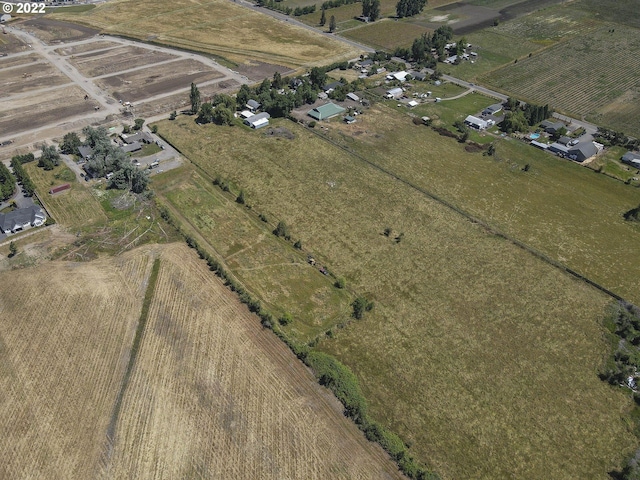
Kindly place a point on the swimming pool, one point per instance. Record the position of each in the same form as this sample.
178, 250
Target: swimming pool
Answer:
533, 136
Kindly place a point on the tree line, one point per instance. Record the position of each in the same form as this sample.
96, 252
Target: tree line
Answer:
7, 182
520, 117
21, 174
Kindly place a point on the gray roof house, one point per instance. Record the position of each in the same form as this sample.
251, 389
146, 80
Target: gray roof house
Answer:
85, 152
492, 109
131, 147
420, 76
632, 159
21, 218
143, 137
330, 87
583, 151
552, 127
564, 140
559, 148
258, 121
253, 105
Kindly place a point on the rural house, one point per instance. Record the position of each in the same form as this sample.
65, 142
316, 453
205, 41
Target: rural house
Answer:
330, 87
551, 127
475, 122
492, 109
21, 218
258, 121
325, 112
85, 152
632, 159
420, 76
142, 137
131, 147
583, 151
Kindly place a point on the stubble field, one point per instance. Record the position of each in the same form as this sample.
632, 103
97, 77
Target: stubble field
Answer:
473, 344
208, 385
217, 27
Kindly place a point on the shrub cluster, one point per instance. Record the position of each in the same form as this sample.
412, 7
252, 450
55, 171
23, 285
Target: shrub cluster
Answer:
624, 322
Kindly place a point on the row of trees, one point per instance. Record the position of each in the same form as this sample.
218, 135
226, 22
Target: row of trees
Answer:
7, 182
21, 174
371, 9
109, 158
522, 116
420, 51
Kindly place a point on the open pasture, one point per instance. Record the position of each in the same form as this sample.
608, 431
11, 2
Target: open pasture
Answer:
29, 77
473, 343
274, 272
386, 34
55, 105
147, 82
214, 395
561, 209
217, 27
581, 76
65, 335
116, 60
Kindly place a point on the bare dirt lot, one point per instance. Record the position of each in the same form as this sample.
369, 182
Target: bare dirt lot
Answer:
148, 82
179, 101
94, 64
85, 47
10, 44
47, 107
55, 31
8, 62
30, 77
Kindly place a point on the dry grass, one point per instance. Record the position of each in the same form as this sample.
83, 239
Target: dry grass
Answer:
74, 208
481, 355
386, 34
65, 331
218, 27
214, 395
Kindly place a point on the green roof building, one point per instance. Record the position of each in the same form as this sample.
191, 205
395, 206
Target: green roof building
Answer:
326, 111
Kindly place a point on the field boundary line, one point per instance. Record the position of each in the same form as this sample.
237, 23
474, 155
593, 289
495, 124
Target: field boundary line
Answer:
472, 219
135, 348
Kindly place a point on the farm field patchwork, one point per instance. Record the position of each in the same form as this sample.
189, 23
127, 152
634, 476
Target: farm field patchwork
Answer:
601, 63
215, 395
473, 343
217, 27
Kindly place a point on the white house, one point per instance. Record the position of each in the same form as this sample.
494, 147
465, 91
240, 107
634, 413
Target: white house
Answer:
258, 121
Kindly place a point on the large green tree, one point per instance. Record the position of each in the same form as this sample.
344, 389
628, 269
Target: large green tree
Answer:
409, 8
194, 97
70, 143
49, 158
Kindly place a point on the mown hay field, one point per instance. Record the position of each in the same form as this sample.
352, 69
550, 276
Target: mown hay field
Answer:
218, 27
558, 207
65, 334
209, 385
589, 75
386, 34
480, 355
271, 270
214, 395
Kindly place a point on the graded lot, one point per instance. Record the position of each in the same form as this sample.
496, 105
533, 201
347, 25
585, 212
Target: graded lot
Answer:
27, 78
94, 64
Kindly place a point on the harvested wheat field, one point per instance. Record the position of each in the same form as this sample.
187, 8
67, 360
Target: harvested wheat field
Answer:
210, 393
213, 395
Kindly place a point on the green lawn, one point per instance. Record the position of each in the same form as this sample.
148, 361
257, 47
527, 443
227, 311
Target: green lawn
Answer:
480, 355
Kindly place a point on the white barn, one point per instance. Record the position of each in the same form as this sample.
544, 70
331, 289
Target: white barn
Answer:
475, 122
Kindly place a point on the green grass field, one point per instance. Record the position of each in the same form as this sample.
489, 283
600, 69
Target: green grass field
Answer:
273, 271
480, 355
215, 26
601, 63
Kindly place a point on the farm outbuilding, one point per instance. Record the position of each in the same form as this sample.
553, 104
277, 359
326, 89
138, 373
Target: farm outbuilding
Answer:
258, 121
395, 93
632, 159
349, 119
353, 96
253, 105
583, 151
21, 218
475, 122
60, 188
492, 109
326, 111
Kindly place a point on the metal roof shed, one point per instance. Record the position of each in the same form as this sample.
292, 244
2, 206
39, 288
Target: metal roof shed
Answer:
325, 111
